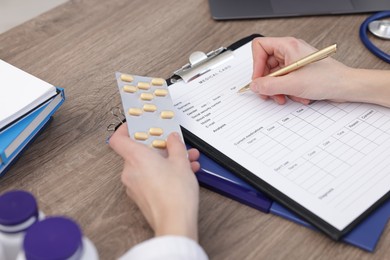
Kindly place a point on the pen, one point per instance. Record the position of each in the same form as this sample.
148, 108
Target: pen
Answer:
316, 56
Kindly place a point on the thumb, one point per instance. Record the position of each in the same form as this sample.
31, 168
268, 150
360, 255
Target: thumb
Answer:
273, 86
175, 146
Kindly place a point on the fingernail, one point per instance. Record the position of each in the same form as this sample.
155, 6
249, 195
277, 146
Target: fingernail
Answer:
177, 136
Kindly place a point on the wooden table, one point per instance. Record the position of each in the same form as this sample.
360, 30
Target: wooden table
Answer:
71, 170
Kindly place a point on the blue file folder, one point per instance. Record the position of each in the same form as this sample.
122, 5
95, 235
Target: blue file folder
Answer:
15, 158
17, 136
215, 177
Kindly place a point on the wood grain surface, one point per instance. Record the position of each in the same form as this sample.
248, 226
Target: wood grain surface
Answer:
70, 169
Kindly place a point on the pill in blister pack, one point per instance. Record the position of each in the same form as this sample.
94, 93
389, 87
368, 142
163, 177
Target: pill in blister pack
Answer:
148, 109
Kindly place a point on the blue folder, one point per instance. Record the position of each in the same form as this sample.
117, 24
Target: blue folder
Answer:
15, 158
215, 177
26, 129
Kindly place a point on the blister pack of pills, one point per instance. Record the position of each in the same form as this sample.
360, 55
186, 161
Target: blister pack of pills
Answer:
148, 109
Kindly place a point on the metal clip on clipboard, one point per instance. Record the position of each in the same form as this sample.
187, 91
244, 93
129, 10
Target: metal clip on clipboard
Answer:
201, 63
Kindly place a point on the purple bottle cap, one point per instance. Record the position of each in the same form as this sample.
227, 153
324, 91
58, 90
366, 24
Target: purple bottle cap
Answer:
53, 238
17, 207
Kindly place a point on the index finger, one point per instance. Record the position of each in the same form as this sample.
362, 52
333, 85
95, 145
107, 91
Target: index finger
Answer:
260, 57
176, 148
273, 51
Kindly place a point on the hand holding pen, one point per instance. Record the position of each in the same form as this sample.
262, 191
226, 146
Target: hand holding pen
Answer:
310, 80
316, 56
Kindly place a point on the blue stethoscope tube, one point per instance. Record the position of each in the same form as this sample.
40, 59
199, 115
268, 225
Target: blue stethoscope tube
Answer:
364, 38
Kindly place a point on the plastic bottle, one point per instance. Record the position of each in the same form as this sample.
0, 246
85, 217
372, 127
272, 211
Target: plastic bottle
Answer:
57, 238
18, 211
2, 255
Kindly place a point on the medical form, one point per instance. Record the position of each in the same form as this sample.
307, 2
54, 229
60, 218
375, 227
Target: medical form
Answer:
330, 158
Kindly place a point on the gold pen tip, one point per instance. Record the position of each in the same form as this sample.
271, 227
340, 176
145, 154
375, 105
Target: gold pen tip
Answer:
243, 89
333, 47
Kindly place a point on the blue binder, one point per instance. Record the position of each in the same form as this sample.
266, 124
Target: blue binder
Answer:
15, 158
215, 177
17, 136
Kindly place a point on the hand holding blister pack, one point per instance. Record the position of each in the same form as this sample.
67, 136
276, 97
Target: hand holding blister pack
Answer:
148, 109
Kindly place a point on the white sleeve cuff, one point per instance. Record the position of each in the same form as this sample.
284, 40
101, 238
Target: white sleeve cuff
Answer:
166, 247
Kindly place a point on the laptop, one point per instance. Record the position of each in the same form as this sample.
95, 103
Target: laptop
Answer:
248, 9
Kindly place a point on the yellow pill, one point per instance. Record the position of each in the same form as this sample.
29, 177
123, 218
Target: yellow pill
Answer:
167, 114
161, 92
159, 144
158, 82
127, 78
135, 111
149, 108
141, 136
146, 96
143, 85
156, 131
129, 89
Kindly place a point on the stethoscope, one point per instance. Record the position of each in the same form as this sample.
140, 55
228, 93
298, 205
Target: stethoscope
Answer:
380, 28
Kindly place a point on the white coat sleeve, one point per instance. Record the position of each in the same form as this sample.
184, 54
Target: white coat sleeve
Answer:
166, 247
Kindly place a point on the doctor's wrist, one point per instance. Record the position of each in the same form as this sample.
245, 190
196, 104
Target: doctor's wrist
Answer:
368, 86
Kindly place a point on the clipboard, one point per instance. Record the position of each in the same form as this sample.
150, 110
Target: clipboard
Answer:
201, 63
218, 179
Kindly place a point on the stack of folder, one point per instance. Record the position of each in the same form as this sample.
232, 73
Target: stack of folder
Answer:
26, 108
